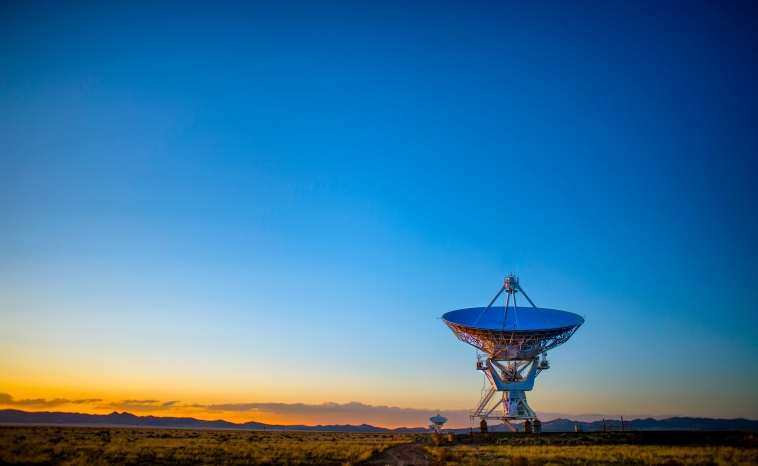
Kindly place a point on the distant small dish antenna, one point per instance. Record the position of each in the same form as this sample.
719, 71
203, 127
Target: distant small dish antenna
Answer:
437, 422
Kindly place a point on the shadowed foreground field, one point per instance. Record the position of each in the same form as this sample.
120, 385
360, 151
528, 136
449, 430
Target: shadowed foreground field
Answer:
649, 448
153, 446
145, 446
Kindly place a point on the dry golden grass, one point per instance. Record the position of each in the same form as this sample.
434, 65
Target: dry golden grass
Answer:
589, 455
72, 446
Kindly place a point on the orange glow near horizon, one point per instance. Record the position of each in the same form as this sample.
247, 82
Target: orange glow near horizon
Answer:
310, 414
229, 416
201, 414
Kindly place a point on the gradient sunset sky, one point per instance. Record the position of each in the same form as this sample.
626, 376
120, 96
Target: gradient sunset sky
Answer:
259, 210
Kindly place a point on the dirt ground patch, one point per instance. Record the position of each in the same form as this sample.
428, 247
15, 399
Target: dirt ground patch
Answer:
404, 455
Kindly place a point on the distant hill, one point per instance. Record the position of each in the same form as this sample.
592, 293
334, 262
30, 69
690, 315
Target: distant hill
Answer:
674, 423
14, 416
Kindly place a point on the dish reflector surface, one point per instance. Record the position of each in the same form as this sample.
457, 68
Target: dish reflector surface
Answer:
518, 318
520, 333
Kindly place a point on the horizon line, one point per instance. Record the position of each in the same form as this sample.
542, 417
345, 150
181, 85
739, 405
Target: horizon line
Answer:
283, 426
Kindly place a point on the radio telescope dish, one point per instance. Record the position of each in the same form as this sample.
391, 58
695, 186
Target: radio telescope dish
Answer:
437, 422
512, 338
513, 332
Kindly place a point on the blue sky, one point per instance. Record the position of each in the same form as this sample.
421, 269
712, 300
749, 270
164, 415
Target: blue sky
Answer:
272, 202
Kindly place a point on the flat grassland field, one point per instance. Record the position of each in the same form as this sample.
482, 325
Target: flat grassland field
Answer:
638, 448
145, 446
38, 445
